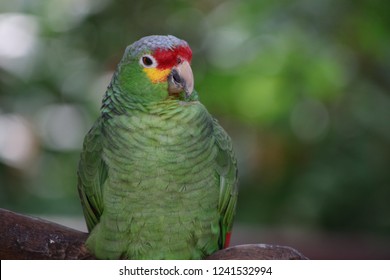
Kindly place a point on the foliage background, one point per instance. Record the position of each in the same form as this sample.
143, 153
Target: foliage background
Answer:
301, 86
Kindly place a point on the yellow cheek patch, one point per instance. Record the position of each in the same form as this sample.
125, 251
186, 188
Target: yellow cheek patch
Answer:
157, 75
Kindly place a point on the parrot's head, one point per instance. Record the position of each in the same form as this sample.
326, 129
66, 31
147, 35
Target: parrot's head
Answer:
156, 68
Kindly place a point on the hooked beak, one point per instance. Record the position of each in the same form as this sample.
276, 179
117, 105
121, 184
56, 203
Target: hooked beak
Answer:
181, 79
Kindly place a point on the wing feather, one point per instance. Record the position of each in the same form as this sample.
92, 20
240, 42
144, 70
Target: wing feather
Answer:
226, 167
92, 173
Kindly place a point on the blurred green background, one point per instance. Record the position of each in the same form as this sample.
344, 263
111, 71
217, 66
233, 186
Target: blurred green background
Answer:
302, 87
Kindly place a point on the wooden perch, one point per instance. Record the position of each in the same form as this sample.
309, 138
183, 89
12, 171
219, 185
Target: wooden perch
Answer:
23, 237
257, 252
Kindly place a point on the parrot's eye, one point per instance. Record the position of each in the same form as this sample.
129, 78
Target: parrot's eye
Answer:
148, 61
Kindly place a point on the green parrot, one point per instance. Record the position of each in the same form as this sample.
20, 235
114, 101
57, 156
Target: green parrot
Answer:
157, 177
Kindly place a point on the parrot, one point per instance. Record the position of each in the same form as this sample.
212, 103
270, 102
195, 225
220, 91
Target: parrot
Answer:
157, 175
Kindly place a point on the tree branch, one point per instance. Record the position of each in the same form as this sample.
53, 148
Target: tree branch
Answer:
24, 237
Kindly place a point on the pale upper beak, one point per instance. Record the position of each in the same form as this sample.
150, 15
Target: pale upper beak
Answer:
181, 79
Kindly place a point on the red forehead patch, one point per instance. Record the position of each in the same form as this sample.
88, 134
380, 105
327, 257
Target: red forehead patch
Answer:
169, 58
